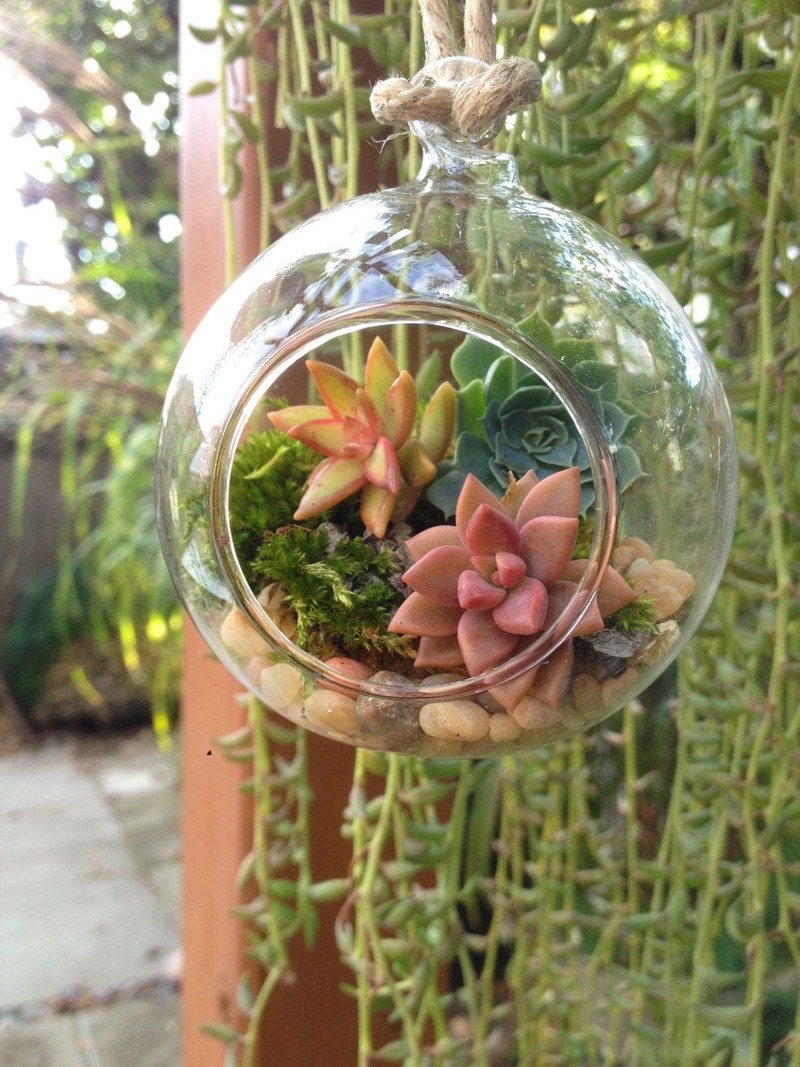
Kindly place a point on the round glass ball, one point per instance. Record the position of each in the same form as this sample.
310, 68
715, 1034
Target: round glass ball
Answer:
538, 347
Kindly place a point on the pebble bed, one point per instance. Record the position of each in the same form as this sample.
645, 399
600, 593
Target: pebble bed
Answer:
472, 727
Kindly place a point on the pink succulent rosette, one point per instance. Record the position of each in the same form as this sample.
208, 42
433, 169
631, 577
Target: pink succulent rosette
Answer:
487, 587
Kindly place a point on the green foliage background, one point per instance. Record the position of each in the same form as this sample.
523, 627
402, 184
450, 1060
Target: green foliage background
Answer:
633, 895
89, 377
629, 896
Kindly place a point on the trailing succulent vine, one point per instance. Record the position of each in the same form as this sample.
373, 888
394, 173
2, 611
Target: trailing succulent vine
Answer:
632, 893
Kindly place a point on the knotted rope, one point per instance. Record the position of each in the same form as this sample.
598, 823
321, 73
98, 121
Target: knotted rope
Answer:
473, 106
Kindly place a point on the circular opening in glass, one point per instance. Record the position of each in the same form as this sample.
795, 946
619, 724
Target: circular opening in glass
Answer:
430, 344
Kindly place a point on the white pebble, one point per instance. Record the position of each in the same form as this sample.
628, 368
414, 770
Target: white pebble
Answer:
294, 711
503, 727
533, 714
335, 711
618, 690
445, 678
280, 684
241, 637
459, 719
254, 669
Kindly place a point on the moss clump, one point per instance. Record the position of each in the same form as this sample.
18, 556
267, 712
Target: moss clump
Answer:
267, 479
338, 588
638, 617
583, 544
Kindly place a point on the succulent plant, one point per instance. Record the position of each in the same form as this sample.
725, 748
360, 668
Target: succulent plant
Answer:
509, 421
486, 587
366, 433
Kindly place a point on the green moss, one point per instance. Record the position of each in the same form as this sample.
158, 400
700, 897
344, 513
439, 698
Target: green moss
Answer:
637, 617
583, 544
338, 588
267, 480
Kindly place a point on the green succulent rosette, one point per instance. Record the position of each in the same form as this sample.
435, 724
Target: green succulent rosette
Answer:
509, 421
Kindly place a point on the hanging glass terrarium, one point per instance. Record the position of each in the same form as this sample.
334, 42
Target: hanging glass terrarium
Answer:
446, 471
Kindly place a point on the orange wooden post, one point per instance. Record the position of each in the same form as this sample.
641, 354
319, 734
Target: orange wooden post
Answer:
311, 1019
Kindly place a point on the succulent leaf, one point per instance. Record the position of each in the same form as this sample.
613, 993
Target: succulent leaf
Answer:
470, 408
509, 694
330, 482
380, 371
399, 410
548, 542
490, 530
416, 466
559, 494
428, 376
443, 493
511, 569
539, 330
473, 454
554, 675
614, 592
483, 644
438, 422
436, 575
564, 595
332, 437
376, 508
475, 593
627, 467
597, 377
287, 418
517, 491
472, 359
426, 540
381, 467
501, 379
523, 609
337, 389
422, 617
473, 494
367, 415
439, 653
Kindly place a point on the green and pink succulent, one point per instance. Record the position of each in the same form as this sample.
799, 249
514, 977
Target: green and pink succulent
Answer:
367, 434
486, 588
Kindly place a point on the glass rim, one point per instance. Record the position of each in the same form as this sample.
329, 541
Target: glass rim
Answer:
459, 318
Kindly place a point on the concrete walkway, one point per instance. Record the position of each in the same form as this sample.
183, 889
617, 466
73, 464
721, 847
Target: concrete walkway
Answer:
89, 905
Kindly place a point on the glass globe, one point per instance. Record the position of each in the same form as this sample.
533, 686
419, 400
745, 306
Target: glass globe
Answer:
557, 484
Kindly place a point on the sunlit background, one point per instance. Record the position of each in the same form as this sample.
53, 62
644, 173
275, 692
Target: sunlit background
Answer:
89, 335
33, 261
49, 147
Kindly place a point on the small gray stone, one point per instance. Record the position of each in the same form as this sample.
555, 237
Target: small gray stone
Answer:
393, 719
616, 643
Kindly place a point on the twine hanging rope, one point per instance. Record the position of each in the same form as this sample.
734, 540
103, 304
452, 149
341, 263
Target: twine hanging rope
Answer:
473, 106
